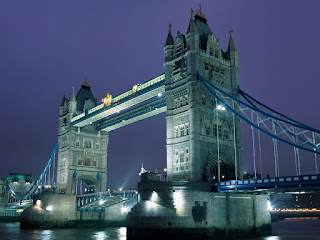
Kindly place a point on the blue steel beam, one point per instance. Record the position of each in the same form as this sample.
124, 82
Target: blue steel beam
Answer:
144, 92
277, 184
137, 114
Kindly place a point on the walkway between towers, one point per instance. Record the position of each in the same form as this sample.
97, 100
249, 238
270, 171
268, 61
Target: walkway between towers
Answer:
148, 99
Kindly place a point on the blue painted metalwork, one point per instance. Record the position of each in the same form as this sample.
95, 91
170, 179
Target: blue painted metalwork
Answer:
137, 112
206, 84
292, 182
90, 202
138, 93
35, 186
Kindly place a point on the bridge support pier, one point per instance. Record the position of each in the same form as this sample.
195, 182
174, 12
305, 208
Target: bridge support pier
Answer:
60, 211
191, 209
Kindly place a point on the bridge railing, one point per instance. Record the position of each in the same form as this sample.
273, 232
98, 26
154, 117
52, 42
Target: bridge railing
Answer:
295, 182
115, 196
37, 184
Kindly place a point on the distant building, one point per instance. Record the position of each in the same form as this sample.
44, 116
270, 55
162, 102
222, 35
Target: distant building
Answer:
3, 193
296, 201
20, 183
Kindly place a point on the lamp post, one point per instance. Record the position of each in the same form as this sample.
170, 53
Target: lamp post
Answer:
165, 174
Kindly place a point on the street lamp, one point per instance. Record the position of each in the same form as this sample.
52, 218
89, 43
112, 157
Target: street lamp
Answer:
165, 174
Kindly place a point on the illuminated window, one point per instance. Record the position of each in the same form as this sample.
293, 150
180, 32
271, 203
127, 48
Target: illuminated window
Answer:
182, 157
203, 100
226, 134
87, 144
211, 51
215, 130
187, 129
175, 103
216, 54
208, 130
181, 131
176, 129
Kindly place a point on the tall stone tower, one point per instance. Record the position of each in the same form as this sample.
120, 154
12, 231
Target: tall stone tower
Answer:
82, 153
196, 122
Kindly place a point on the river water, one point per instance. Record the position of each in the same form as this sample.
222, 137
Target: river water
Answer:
292, 229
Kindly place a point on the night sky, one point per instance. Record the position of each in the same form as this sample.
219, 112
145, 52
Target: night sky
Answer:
48, 46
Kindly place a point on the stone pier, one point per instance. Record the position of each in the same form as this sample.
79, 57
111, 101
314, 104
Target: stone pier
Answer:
60, 211
174, 208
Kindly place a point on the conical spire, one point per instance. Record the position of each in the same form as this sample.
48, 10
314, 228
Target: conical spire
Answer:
63, 99
231, 46
192, 26
72, 97
169, 37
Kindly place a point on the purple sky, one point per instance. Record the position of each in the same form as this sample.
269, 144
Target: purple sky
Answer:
48, 46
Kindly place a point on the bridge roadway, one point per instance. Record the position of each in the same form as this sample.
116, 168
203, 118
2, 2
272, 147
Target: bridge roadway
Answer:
100, 201
276, 184
141, 102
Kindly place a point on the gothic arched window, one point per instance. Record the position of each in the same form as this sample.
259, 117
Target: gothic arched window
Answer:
87, 143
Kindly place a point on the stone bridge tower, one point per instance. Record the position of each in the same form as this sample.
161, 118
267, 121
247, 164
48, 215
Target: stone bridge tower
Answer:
193, 130
82, 154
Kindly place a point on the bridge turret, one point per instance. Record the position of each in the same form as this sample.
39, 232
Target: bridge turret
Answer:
82, 153
232, 54
191, 37
196, 126
72, 104
168, 47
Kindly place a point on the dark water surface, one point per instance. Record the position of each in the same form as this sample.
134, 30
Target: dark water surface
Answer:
306, 229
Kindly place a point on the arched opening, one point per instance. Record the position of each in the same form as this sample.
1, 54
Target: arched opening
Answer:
211, 170
84, 186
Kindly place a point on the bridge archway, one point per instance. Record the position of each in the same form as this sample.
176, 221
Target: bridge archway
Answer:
85, 184
210, 170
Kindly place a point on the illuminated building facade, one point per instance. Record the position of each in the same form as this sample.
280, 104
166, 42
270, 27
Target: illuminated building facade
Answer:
82, 155
196, 122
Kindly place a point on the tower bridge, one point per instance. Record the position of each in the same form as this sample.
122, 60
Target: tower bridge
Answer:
201, 96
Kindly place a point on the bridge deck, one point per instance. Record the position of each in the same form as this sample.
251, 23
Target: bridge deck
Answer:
276, 184
144, 92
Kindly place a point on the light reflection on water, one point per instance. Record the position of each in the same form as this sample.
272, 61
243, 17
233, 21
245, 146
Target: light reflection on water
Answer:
284, 230
47, 235
101, 235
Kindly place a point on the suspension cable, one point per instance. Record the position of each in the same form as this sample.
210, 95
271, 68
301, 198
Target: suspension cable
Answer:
207, 84
298, 153
53, 169
274, 150
253, 149
315, 155
295, 159
259, 142
217, 121
235, 144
